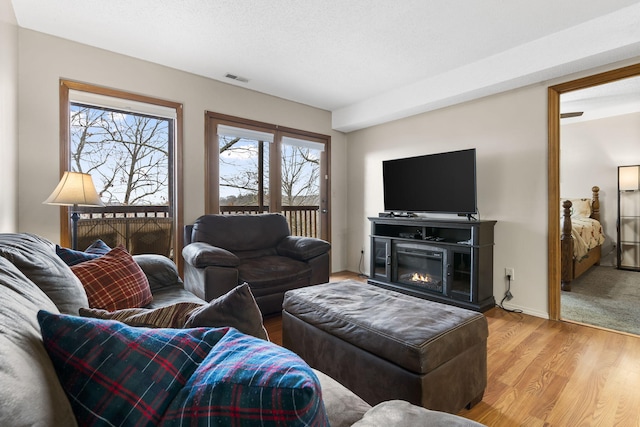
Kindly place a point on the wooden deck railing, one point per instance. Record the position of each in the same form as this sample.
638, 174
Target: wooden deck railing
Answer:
150, 211
149, 229
140, 229
303, 220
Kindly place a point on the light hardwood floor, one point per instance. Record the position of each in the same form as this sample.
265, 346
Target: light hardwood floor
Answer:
548, 373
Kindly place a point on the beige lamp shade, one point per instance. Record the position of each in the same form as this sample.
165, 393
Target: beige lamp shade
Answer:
75, 188
628, 178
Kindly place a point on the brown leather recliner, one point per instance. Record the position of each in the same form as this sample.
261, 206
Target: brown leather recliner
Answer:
222, 251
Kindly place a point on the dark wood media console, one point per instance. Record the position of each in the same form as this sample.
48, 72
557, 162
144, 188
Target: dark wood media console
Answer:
446, 261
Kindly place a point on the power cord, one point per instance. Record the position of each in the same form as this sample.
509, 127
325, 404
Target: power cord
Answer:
508, 296
361, 275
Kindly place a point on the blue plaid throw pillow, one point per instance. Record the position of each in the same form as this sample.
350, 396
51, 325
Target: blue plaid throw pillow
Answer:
116, 374
73, 257
246, 381
105, 366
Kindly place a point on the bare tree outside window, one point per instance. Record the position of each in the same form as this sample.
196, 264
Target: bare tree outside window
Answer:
257, 167
244, 181
244, 172
127, 154
300, 176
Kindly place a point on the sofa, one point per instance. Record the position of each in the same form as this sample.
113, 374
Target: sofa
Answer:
222, 251
41, 298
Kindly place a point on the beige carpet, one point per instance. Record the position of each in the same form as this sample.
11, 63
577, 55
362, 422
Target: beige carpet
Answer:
605, 297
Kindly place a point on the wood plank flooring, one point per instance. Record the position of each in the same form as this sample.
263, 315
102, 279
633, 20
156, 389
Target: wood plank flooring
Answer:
547, 373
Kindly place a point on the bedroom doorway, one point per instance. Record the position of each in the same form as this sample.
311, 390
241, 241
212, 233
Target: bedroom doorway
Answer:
554, 94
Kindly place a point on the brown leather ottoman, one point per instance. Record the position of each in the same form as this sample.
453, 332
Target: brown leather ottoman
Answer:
385, 345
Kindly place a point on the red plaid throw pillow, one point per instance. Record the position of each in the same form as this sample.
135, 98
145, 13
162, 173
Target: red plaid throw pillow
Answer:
114, 281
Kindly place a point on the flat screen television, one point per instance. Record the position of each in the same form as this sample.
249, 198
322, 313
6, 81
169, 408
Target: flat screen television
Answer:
435, 183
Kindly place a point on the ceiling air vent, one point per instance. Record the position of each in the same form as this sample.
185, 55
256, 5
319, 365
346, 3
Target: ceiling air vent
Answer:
237, 78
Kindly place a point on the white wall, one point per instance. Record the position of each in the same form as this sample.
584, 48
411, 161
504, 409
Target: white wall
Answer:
8, 118
591, 153
43, 60
509, 132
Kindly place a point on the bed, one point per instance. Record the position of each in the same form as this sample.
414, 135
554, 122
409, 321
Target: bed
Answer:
581, 236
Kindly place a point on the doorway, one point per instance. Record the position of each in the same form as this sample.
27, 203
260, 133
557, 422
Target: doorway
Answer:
554, 93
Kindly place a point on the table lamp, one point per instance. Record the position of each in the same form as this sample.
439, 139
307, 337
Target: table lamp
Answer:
75, 189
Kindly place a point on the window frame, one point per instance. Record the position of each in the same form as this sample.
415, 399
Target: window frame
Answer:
65, 154
212, 170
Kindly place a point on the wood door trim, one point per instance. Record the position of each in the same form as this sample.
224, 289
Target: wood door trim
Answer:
553, 203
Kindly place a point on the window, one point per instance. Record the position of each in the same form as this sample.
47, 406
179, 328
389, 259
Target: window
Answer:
301, 183
130, 146
257, 167
243, 169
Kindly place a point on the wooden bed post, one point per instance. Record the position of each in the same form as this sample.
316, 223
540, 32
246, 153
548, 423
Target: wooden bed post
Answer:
595, 203
566, 247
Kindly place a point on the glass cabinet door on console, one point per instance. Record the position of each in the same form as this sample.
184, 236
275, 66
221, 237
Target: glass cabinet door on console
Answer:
381, 258
460, 273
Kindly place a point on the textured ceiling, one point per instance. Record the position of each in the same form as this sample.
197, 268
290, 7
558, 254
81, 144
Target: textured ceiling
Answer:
367, 61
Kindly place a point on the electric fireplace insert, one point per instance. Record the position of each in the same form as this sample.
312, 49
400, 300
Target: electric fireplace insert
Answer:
420, 266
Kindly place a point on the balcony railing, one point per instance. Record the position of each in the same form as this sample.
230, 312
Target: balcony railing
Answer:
140, 229
150, 211
303, 220
149, 229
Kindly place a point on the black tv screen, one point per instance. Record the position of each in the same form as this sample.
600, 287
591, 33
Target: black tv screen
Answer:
442, 183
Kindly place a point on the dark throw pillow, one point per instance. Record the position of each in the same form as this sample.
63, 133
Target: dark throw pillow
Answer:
73, 257
114, 281
171, 316
237, 308
117, 374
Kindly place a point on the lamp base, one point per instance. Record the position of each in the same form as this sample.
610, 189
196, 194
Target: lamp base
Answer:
74, 229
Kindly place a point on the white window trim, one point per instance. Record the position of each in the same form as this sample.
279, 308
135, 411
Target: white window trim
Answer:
235, 132
296, 142
104, 101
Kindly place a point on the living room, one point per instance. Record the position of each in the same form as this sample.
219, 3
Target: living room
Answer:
509, 129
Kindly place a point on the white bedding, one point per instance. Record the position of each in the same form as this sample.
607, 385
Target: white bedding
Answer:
587, 234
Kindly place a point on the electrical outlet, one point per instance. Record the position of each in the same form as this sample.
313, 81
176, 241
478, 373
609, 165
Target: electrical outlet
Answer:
509, 272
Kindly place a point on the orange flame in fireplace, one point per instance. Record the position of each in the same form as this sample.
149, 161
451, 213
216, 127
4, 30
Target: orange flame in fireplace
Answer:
424, 278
